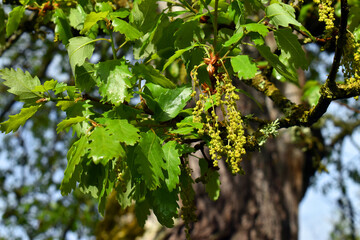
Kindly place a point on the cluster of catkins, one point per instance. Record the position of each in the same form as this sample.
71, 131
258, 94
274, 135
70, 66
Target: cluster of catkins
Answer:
351, 60
227, 138
326, 13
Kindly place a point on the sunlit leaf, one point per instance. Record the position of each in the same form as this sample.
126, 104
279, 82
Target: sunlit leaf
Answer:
79, 49
20, 83
243, 66
15, 121
15, 17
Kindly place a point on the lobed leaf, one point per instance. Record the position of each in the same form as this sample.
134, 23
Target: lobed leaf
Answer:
276, 63
15, 121
243, 66
165, 206
68, 123
114, 81
131, 33
21, 84
79, 48
289, 43
74, 156
91, 19
172, 162
149, 160
104, 145
62, 26
281, 14
152, 75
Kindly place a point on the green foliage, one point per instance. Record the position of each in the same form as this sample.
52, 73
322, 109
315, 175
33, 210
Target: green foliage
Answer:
134, 122
14, 20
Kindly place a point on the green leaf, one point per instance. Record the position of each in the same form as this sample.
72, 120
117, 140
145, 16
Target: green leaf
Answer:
257, 27
172, 102
77, 17
68, 123
311, 92
152, 75
120, 13
47, 86
177, 54
130, 32
80, 48
142, 211
104, 145
74, 156
149, 159
281, 14
289, 43
124, 131
15, 121
62, 26
85, 77
91, 19
276, 63
234, 38
172, 160
144, 14
243, 66
14, 20
115, 81
211, 180
21, 84
165, 206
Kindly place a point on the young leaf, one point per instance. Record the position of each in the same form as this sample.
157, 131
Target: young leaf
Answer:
289, 43
143, 14
79, 48
14, 20
276, 63
91, 19
149, 159
125, 132
257, 27
130, 32
62, 28
172, 102
47, 86
243, 66
152, 75
104, 145
21, 84
177, 54
234, 38
172, 160
115, 81
75, 153
68, 123
165, 206
15, 121
281, 14
77, 17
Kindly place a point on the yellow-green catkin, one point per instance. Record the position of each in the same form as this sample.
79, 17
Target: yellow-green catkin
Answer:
226, 136
326, 13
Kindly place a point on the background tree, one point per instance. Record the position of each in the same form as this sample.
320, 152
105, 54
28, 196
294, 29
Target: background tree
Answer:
214, 81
